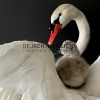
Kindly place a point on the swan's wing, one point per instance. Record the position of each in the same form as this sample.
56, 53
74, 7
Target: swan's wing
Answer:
97, 62
9, 95
30, 75
93, 82
11, 58
19, 66
29, 72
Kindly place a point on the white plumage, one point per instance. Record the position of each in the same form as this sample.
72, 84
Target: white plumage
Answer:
27, 74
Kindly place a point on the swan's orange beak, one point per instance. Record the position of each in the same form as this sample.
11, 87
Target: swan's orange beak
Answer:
54, 33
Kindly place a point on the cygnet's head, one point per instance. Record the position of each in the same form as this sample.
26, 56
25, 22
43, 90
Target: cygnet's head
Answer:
69, 48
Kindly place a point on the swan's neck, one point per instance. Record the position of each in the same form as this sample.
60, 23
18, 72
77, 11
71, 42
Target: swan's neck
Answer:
84, 32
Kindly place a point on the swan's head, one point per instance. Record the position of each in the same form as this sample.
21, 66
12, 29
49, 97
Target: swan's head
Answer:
59, 19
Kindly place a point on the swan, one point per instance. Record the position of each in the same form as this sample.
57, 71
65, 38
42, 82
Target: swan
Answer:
61, 16
28, 72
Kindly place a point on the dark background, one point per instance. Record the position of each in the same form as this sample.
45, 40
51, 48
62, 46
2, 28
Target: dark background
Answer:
30, 19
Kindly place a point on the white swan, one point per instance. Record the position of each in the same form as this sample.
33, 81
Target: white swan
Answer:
61, 16
27, 72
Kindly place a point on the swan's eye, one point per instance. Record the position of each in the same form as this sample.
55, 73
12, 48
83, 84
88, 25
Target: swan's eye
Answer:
51, 27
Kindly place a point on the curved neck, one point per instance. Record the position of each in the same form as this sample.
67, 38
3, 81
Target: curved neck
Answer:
84, 32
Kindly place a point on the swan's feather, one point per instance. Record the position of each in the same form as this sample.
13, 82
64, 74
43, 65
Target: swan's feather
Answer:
9, 95
31, 74
93, 81
21, 68
26, 75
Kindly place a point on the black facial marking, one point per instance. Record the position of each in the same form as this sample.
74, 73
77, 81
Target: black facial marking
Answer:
57, 20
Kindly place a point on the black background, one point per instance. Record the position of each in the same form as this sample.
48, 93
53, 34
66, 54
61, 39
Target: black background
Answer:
30, 19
